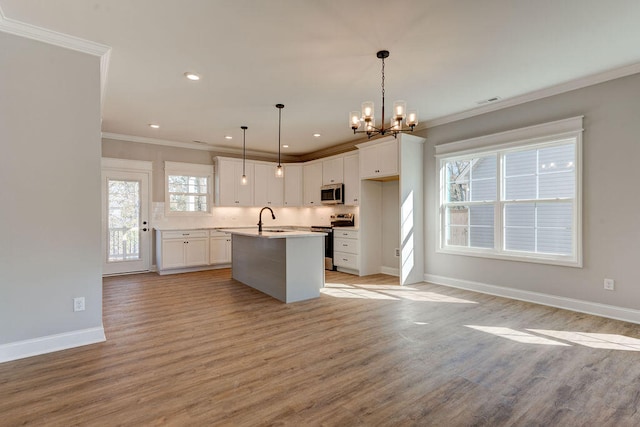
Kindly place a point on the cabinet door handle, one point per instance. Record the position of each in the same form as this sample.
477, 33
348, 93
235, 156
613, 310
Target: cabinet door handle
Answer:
144, 229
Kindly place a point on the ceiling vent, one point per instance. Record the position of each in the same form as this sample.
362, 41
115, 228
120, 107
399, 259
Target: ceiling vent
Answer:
489, 101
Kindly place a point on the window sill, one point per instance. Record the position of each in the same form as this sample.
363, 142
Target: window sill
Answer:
514, 256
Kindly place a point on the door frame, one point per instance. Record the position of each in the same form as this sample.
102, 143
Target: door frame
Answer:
127, 166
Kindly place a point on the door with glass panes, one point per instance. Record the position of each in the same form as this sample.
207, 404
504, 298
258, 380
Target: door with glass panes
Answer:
125, 222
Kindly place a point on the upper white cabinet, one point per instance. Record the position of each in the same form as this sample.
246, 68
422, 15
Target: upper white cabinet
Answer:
268, 190
351, 180
312, 178
378, 159
332, 171
229, 190
292, 185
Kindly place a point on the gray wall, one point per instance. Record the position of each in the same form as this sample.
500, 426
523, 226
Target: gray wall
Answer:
157, 154
611, 206
49, 189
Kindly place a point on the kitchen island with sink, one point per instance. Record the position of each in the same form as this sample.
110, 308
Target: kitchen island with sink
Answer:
285, 264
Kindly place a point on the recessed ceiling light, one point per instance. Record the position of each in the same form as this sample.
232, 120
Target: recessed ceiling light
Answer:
192, 76
154, 126
317, 135
228, 137
285, 146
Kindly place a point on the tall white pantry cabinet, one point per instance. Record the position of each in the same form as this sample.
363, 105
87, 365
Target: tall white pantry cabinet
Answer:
381, 161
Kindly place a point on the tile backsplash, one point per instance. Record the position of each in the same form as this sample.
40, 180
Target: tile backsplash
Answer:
248, 217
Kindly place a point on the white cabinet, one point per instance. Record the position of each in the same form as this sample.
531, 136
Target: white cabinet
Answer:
229, 190
346, 250
312, 177
332, 171
351, 180
379, 160
268, 190
292, 185
219, 247
179, 249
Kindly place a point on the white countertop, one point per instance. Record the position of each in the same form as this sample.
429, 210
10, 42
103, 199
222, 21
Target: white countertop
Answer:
270, 234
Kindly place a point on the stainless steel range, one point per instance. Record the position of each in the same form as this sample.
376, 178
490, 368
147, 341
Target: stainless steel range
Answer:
337, 220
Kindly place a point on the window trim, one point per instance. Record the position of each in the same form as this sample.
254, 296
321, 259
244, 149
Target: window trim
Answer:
536, 136
190, 169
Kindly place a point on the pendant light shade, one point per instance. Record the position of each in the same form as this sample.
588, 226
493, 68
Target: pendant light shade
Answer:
279, 170
243, 180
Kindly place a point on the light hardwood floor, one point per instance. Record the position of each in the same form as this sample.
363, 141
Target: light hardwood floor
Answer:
201, 349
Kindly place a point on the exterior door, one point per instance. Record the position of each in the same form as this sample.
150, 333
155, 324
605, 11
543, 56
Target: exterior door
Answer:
125, 222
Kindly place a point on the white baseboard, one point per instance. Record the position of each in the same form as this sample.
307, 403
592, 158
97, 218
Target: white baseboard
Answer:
603, 310
33, 347
193, 269
390, 271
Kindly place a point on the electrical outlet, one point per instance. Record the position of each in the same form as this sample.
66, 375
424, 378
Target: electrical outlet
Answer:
78, 304
609, 284
397, 252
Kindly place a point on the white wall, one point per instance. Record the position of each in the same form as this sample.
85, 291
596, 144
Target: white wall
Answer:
611, 204
49, 192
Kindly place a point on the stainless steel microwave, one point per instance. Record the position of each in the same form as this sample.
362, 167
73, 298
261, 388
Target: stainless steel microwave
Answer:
332, 194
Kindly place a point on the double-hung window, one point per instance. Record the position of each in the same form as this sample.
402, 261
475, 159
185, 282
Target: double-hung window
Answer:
188, 188
514, 195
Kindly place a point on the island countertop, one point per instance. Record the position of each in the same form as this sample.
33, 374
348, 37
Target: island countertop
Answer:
271, 234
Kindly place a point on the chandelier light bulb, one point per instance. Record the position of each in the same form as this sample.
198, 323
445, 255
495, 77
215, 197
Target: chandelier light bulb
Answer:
354, 120
412, 118
279, 172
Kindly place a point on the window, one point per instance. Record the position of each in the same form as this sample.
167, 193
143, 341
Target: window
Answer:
188, 188
518, 199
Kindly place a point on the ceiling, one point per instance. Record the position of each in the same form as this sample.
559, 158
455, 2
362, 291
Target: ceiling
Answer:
318, 58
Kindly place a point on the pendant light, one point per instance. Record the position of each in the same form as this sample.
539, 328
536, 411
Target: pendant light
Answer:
399, 114
243, 180
279, 171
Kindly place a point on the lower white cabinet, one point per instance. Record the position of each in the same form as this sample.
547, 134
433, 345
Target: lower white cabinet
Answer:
180, 249
346, 249
219, 247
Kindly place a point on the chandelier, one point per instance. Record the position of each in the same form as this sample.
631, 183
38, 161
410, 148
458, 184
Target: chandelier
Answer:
400, 113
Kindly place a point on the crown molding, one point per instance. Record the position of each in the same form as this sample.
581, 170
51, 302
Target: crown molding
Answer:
198, 146
539, 94
22, 29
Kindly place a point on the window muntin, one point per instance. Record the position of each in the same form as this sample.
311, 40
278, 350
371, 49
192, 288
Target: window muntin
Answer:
533, 214
188, 193
188, 188
471, 187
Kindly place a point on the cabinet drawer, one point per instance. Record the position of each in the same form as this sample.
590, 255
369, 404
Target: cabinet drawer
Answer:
182, 234
345, 245
343, 259
345, 234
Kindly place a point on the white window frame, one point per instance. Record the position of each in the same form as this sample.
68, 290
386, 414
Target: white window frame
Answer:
538, 136
189, 169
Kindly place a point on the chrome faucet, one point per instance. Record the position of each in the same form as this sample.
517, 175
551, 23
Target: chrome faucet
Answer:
260, 218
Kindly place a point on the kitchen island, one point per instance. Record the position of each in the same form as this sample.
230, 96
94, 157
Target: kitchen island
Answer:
287, 265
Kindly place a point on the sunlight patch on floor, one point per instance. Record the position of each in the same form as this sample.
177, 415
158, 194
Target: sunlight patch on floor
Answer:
518, 336
388, 292
341, 292
594, 340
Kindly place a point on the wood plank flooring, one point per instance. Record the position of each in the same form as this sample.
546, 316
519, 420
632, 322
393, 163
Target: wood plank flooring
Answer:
202, 349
